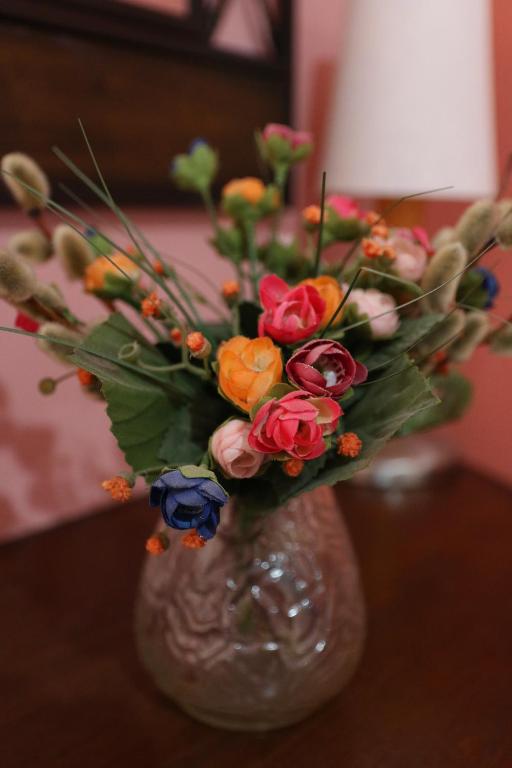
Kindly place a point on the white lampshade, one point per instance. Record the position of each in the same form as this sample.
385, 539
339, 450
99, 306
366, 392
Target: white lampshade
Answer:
413, 107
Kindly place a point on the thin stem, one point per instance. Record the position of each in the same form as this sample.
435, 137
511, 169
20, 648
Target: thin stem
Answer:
253, 263
320, 228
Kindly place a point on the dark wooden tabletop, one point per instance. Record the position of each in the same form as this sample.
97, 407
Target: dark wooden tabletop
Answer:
434, 688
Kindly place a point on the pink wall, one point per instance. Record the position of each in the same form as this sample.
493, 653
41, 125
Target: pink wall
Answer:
55, 451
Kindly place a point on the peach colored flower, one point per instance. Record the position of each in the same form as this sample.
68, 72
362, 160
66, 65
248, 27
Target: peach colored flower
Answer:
232, 452
410, 258
249, 188
375, 303
248, 369
330, 291
96, 272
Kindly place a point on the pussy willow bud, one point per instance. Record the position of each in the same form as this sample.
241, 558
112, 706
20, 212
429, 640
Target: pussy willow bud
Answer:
443, 237
31, 245
476, 226
475, 331
60, 352
442, 333
504, 225
17, 279
21, 168
50, 296
73, 250
501, 341
445, 265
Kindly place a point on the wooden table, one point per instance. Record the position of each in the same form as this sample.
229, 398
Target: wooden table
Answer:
434, 688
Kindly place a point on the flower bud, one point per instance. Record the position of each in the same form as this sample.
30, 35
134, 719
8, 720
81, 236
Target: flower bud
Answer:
73, 250
158, 543
47, 386
446, 264
442, 333
231, 292
504, 226
292, 467
501, 341
475, 330
349, 445
60, 352
444, 236
17, 279
21, 168
176, 336
198, 345
31, 245
475, 226
197, 169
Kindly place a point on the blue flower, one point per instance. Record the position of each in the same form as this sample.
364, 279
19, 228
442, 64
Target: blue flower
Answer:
490, 284
189, 497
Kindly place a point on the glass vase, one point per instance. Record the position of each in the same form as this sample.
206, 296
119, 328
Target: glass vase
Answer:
260, 627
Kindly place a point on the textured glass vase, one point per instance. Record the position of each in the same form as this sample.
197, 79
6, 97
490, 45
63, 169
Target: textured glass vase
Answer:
259, 628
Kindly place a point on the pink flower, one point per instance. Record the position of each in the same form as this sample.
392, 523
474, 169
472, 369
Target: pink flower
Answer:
344, 207
294, 138
295, 425
416, 235
289, 314
324, 368
232, 452
375, 303
410, 258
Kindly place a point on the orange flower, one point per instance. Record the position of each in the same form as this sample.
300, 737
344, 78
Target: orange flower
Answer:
372, 217
349, 445
248, 369
292, 467
157, 544
176, 336
330, 291
97, 270
312, 215
84, 377
159, 268
118, 487
231, 291
192, 540
198, 345
250, 188
380, 230
150, 306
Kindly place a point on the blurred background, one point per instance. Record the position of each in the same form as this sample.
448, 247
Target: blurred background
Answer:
401, 97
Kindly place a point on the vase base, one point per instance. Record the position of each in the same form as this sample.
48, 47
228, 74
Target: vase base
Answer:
229, 722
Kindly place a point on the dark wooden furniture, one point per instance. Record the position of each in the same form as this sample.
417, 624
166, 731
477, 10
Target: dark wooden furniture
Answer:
434, 689
145, 84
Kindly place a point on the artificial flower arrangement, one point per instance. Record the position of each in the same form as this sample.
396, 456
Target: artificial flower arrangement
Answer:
314, 362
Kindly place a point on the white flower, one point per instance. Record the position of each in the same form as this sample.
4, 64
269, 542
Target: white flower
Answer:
374, 303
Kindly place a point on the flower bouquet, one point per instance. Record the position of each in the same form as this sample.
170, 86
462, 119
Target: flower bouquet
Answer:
239, 404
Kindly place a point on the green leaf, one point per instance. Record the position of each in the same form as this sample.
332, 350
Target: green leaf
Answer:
410, 332
454, 392
178, 446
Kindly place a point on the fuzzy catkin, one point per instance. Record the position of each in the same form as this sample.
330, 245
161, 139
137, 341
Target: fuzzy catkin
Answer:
444, 266
504, 226
49, 295
475, 330
31, 245
444, 236
73, 250
17, 279
501, 341
60, 352
19, 167
441, 334
476, 226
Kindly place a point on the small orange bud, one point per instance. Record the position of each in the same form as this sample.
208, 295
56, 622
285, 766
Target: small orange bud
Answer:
198, 345
118, 487
372, 217
388, 252
380, 230
150, 306
157, 544
84, 377
371, 249
292, 467
349, 445
176, 336
159, 268
192, 540
230, 290
312, 215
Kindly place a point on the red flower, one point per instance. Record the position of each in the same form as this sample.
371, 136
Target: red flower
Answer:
289, 314
26, 323
294, 138
294, 425
325, 368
